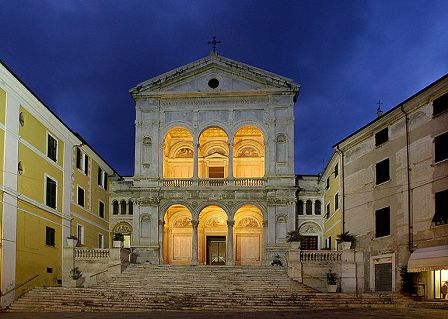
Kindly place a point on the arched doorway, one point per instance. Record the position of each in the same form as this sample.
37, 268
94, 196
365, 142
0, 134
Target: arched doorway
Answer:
312, 234
177, 236
248, 232
212, 236
178, 153
125, 229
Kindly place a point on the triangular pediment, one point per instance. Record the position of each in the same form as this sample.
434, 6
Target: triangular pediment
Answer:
214, 74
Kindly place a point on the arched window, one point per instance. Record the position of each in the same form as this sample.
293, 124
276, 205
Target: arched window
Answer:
300, 208
309, 207
317, 207
123, 207
115, 207
131, 208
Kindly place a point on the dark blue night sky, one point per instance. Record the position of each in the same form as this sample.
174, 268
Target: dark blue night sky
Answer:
82, 57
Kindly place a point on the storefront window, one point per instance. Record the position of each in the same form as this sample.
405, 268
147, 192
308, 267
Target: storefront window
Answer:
441, 284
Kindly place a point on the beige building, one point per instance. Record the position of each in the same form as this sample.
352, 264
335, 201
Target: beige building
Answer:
396, 191
331, 181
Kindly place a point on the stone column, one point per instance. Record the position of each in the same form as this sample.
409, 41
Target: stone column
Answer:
265, 241
229, 259
230, 161
195, 162
194, 256
313, 203
161, 227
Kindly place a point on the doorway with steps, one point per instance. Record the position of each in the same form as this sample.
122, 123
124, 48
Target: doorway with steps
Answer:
216, 250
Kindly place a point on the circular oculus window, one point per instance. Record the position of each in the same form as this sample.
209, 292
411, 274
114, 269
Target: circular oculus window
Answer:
213, 83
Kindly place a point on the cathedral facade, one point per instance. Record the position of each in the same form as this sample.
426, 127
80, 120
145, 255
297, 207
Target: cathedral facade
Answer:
214, 175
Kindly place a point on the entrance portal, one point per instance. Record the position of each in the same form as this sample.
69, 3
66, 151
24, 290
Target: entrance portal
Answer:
216, 250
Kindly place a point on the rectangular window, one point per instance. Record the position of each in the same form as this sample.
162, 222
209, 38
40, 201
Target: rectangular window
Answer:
327, 186
382, 136
80, 234
82, 161
50, 236
50, 192
52, 147
78, 158
441, 147
80, 196
100, 241
101, 209
336, 170
382, 222
327, 211
440, 105
441, 212
382, 171
336, 201
216, 172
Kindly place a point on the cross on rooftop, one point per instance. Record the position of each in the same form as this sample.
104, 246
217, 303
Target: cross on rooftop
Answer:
379, 112
214, 42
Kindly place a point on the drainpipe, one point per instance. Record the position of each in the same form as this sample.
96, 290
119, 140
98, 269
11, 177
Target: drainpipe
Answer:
408, 170
343, 187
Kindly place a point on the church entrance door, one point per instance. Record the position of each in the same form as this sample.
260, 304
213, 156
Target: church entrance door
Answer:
216, 250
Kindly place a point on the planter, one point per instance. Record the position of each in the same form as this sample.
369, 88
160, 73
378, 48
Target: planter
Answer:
117, 244
71, 242
294, 245
346, 245
332, 288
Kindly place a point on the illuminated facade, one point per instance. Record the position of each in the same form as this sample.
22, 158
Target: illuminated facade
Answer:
214, 166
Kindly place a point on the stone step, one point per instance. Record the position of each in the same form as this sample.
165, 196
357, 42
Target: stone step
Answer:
193, 288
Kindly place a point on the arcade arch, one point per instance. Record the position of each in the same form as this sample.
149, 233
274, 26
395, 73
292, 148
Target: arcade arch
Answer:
178, 153
249, 158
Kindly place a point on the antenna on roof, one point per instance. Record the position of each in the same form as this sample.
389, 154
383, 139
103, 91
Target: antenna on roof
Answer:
379, 112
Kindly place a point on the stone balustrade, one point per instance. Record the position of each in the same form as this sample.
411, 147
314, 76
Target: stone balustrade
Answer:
213, 182
90, 253
177, 182
249, 182
320, 256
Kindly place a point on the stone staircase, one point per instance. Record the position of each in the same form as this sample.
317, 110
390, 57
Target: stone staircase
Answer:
194, 288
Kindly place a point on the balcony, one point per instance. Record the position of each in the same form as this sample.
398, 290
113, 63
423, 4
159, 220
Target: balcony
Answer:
213, 182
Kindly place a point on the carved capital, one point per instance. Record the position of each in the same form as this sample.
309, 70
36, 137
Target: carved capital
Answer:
230, 223
195, 223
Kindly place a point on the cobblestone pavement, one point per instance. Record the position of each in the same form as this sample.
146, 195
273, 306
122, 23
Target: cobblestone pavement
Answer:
408, 313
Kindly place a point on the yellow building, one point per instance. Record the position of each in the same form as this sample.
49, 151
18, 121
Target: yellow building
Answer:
46, 193
333, 200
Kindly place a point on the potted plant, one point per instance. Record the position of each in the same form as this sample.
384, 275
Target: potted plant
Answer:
332, 283
118, 240
72, 241
294, 238
346, 239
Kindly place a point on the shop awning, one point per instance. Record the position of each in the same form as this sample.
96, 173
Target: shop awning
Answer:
427, 259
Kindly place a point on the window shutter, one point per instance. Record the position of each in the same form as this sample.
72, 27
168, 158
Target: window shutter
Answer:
86, 164
105, 180
78, 158
99, 175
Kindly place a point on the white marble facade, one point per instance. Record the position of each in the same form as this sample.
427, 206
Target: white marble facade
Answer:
205, 112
